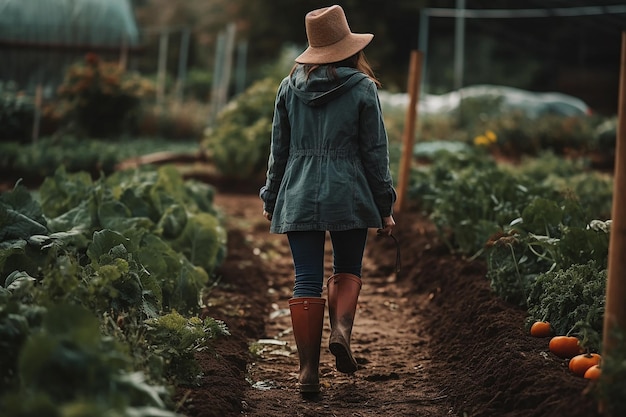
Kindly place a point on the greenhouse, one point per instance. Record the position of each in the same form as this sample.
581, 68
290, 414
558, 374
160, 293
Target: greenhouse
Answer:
39, 38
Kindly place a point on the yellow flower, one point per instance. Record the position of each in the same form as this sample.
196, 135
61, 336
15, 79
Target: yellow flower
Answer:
491, 136
485, 140
481, 140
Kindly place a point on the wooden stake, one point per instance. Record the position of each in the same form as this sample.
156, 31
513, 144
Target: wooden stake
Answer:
162, 67
415, 75
615, 309
37, 112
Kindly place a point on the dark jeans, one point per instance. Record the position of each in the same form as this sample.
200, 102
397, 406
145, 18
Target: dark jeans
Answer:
307, 249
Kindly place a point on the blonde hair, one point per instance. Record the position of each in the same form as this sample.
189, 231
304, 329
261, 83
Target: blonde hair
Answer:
357, 61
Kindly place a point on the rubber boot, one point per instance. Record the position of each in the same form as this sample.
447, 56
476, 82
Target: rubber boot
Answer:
307, 319
343, 293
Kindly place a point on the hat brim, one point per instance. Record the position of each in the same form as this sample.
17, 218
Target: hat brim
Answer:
336, 52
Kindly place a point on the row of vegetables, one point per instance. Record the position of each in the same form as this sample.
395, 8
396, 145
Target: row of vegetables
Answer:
100, 287
136, 249
585, 364
542, 227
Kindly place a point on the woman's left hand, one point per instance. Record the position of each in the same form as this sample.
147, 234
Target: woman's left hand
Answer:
267, 215
388, 224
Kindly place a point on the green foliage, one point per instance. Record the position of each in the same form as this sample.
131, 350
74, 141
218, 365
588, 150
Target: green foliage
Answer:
147, 212
101, 98
470, 198
176, 339
240, 141
82, 269
518, 134
551, 235
512, 267
202, 240
572, 300
93, 369
115, 281
544, 215
199, 83
17, 319
16, 113
42, 158
572, 177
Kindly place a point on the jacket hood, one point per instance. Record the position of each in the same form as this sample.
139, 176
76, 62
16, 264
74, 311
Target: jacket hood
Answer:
320, 88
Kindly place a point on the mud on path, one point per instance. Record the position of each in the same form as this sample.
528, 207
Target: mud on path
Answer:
432, 341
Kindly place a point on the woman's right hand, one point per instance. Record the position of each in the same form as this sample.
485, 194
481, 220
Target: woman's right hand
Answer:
267, 215
388, 224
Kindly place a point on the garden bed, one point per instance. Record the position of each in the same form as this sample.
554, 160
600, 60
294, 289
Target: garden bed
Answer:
433, 341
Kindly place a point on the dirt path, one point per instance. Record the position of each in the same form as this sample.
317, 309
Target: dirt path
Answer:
389, 346
434, 342
388, 343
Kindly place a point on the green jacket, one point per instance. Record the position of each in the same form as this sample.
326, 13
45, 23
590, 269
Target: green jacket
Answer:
328, 167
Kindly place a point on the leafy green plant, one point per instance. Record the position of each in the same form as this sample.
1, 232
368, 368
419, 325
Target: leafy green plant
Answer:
148, 212
572, 300
512, 266
469, 198
90, 284
525, 221
18, 317
176, 339
550, 235
239, 143
94, 370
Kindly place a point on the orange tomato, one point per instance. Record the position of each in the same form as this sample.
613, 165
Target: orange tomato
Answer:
565, 346
541, 329
579, 364
593, 372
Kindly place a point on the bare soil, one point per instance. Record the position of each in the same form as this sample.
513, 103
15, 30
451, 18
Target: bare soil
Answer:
432, 340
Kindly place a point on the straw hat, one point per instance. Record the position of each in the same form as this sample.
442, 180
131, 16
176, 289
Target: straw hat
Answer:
330, 38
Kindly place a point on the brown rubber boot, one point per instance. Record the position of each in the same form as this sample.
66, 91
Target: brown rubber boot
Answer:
307, 319
343, 293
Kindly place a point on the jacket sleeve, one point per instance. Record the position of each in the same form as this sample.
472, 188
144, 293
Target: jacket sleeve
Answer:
374, 149
279, 150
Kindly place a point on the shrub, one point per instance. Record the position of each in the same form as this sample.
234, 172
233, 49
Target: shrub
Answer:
239, 144
100, 98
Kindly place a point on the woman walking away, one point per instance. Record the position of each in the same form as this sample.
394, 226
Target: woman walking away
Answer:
328, 170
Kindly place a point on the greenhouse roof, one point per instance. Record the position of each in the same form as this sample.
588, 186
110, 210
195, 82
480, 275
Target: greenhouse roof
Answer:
67, 23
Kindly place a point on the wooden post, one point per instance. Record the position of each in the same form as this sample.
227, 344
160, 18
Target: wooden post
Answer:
217, 76
240, 72
228, 64
123, 59
162, 68
415, 74
615, 309
37, 111
183, 55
